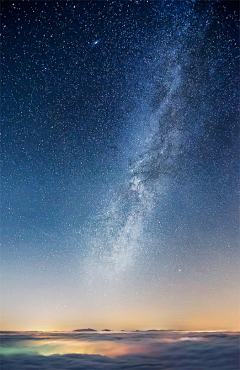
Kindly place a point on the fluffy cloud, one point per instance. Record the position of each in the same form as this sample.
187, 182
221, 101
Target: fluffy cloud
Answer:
144, 350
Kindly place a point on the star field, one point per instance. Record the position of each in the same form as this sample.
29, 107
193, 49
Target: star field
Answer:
120, 149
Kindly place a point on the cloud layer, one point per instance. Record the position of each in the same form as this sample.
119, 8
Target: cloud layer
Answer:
140, 350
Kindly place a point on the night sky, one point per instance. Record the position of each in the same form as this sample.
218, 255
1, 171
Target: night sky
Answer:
120, 149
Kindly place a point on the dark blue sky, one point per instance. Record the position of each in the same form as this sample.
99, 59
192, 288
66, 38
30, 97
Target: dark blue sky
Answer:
120, 163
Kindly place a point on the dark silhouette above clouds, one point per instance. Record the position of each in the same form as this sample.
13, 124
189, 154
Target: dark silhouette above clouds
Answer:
87, 330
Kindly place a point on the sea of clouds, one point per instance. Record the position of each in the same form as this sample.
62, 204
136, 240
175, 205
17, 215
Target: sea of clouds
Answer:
172, 350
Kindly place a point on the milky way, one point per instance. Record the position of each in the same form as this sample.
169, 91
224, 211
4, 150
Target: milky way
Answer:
120, 165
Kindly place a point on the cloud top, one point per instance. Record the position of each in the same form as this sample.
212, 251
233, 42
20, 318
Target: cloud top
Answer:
174, 350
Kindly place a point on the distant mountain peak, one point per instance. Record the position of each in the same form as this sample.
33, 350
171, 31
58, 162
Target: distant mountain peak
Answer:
85, 329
